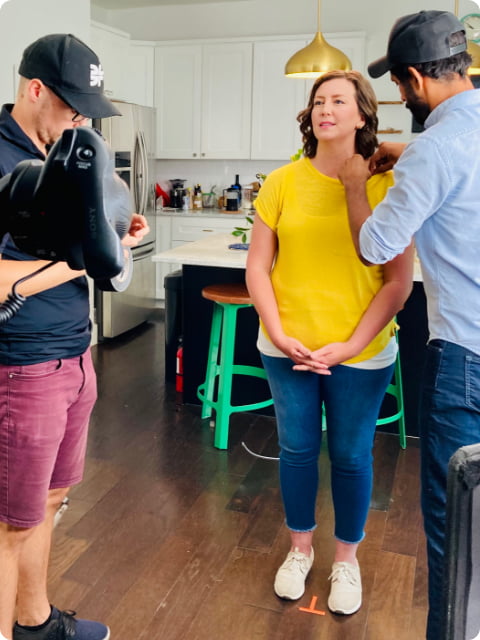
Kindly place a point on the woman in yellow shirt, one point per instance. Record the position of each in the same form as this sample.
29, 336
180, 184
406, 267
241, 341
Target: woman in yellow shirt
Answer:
327, 329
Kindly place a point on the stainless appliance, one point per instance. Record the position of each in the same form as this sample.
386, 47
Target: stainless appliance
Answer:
131, 137
177, 193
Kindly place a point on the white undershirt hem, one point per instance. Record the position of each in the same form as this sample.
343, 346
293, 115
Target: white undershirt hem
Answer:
385, 358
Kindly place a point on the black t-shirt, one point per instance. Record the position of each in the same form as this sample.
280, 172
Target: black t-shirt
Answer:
52, 324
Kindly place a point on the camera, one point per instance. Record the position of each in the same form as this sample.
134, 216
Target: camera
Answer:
73, 207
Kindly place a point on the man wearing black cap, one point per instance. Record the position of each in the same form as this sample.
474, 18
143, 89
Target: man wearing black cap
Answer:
436, 200
47, 381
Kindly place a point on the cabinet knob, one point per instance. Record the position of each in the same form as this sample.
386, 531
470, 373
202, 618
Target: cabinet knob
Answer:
194, 155
203, 155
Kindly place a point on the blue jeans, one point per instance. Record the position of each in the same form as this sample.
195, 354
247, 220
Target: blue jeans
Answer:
449, 419
352, 399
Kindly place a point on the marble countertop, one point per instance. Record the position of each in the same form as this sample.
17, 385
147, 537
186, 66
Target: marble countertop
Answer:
213, 251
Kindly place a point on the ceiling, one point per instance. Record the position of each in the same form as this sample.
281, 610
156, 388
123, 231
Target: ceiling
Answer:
136, 4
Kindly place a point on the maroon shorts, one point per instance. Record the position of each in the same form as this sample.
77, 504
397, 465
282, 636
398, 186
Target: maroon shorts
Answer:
44, 414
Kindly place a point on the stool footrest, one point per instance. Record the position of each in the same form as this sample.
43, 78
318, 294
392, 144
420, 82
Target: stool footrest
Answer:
237, 369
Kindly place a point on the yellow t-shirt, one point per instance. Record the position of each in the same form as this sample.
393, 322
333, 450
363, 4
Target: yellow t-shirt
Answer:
321, 287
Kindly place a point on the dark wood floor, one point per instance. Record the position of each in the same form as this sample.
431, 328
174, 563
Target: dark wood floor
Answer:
168, 538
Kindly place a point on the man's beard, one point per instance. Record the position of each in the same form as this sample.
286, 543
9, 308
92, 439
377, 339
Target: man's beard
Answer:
419, 108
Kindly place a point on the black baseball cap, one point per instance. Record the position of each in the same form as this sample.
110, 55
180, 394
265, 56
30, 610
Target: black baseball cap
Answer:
419, 37
71, 70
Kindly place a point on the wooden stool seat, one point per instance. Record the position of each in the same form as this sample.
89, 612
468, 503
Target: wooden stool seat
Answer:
230, 293
216, 392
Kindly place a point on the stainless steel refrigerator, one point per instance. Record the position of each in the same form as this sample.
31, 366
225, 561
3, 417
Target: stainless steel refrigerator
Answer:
131, 137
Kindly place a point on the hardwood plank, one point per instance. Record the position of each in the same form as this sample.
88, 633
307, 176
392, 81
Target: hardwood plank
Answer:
420, 591
262, 475
385, 453
65, 552
389, 608
66, 593
404, 522
101, 477
268, 518
193, 556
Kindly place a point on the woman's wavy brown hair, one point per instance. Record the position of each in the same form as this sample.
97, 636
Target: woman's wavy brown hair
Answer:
366, 137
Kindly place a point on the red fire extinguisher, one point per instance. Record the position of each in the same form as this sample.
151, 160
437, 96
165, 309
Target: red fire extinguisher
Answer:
179, 376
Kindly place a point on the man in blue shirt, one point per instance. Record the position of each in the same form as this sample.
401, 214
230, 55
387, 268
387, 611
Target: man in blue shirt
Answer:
436, 200
47, 381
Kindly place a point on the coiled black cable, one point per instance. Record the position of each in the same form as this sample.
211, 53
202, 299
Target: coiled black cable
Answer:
15, 300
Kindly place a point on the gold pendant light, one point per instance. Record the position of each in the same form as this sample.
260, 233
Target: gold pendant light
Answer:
316, 58
473, 49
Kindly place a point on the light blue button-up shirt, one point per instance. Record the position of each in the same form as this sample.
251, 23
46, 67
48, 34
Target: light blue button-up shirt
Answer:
436, 199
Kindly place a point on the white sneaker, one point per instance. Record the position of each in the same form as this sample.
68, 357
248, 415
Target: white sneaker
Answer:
346, 590
290, 578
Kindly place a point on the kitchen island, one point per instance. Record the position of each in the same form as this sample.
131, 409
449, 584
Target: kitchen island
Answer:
210, 261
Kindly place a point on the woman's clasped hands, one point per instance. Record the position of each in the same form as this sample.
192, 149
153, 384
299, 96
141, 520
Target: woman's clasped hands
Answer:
320, 360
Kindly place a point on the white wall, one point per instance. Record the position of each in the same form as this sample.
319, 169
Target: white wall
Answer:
23, 21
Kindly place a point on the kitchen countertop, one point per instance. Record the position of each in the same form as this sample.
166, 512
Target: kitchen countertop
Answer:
208, 252
214, 252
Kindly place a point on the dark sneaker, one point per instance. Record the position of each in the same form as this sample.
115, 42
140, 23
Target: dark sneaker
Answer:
62, 625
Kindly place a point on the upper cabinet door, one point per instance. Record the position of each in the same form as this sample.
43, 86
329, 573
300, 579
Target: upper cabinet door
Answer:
128, 64
276, 101
226, 100
111, 46
178, 100
139, 73
203, 100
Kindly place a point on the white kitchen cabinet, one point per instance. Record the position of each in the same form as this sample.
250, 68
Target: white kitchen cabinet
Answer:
203, 100
112, 46
175, 230
128, 64
188, 229
177, 100
138, 75
277, 100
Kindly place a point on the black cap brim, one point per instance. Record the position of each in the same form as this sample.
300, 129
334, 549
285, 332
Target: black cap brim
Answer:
90, 105
378, 67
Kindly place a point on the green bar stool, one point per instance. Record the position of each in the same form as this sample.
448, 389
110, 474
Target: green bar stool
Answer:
395, 389
228, 299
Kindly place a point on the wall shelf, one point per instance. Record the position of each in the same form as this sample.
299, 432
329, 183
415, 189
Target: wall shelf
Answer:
390, 102
389, 131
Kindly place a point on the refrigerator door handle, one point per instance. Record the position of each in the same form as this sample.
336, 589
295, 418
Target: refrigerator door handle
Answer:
143, 251
145, 176
139, 168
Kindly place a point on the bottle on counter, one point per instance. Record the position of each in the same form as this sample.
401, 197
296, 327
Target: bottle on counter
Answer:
197, 197
238, 186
